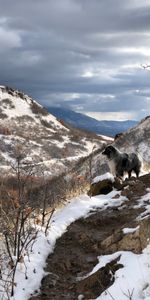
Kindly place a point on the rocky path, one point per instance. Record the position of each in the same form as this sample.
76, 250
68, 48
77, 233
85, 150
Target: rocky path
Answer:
101, 232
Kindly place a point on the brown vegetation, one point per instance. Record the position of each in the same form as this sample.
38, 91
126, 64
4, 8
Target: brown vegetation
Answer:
5, 130
38, 110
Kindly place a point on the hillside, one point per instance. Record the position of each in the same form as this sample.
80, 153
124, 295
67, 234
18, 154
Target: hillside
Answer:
108, 128
84, 247
102, 249
27, 127
136, 139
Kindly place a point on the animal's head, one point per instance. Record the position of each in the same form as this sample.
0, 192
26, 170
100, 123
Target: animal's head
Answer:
110, 152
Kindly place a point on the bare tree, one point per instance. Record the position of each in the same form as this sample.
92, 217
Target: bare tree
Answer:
17, 228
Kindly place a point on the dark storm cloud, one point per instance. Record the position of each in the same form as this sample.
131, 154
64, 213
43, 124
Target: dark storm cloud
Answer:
85, 55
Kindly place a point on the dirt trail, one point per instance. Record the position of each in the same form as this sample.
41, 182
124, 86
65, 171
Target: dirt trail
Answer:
76, 251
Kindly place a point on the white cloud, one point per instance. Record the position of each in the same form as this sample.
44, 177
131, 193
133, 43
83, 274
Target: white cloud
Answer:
85, 55
9, 39
121, 116
88, 74
144, 51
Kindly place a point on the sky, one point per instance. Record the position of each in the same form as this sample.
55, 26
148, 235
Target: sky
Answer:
86, 55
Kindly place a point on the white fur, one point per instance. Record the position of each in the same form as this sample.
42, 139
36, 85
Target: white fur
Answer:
112, 166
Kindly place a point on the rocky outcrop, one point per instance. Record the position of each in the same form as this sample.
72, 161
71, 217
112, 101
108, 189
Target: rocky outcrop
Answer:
134, 241
95, 284
101, 187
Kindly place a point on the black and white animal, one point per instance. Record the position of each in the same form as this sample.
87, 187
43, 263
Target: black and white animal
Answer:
122, 162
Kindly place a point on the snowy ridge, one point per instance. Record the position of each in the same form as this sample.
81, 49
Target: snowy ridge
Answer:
16, 104
45, 141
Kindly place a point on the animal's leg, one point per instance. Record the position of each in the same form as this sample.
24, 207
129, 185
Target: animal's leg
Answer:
129, 174
137, 171
119, 174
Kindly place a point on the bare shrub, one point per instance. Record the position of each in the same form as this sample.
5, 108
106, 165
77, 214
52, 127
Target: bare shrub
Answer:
5, 130
46, 124
2, 159
53, 151
57, 136
9, 90
24, 118
70, 150
76, 137
19, 219
21, 95
17, 231
38, 110
7, 103
2, 115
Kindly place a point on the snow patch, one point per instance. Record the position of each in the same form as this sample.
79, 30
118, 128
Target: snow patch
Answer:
130, 230
105, 176
133, 279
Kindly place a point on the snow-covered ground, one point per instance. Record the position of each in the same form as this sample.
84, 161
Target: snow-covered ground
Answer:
18, 107
107, 138
133, 278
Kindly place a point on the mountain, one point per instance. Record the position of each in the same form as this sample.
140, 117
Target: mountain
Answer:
108, 128
29, 129
52, 145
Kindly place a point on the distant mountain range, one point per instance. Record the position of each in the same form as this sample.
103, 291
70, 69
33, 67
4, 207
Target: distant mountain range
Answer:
108, 128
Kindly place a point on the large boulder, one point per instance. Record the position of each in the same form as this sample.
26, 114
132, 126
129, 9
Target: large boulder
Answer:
102, 185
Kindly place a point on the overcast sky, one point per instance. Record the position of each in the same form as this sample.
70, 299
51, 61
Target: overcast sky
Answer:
82, 54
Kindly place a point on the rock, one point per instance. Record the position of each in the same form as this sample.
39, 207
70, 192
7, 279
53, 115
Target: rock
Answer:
112, 241
92, 286
102, 187
50, 280
144, 232
128, 187
134, 242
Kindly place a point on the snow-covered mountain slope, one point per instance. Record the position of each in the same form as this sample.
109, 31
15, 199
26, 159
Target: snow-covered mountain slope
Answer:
136, 139
27, 127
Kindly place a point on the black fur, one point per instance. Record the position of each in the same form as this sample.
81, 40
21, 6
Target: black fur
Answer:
123, 162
